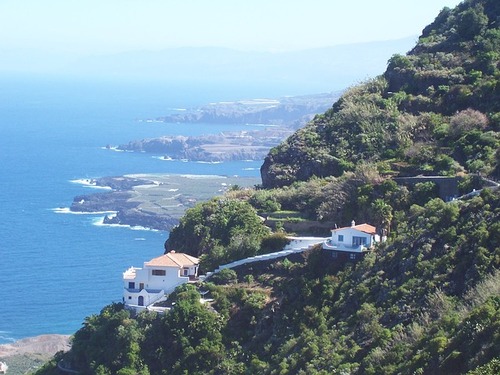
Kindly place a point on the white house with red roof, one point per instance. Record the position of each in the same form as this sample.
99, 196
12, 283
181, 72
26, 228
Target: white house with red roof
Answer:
351, 241
160, 276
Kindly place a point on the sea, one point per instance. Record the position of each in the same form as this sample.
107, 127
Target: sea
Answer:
58, 268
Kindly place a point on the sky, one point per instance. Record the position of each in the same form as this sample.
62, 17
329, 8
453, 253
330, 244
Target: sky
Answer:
96, 27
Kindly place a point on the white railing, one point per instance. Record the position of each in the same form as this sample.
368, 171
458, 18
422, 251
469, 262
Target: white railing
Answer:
295, 246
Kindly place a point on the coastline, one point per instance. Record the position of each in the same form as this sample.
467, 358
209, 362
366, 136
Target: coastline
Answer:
28, 354
48, 344
150, 201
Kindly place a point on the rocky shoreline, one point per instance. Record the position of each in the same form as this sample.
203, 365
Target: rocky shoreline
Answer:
26, 355
227, 146
153, 201
279, 117
290, 111
43, 344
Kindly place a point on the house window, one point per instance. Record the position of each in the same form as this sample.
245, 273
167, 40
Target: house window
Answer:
158, 272
334, 254
185, 271
131, 285
352, 256
129, 297
357, 241
341, 238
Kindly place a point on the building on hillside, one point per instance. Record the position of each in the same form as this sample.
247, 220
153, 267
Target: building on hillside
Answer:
160, 276
350, 243
3, 368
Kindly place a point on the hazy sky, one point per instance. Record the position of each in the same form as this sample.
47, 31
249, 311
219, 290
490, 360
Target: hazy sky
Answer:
110, 26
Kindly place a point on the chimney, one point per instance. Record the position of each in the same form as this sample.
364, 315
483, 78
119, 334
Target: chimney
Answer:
353, 223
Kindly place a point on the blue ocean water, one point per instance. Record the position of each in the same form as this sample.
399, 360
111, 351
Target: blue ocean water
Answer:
56, 269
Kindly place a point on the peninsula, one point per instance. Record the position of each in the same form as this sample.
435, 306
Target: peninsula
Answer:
153, 201
289, 111
279, 117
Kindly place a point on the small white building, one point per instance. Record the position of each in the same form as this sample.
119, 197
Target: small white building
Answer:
351, 241
160, 276
3, 368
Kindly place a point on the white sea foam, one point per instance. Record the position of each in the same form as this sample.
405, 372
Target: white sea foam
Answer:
90, 183
84, 181
67, 210
250, 169
164, 158
209, 162
5, 337
99, 222
201, 176
112, 148
62, 210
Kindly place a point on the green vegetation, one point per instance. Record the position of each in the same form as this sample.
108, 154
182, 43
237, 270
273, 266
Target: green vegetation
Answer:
425, 302
434, 111
428, 302
219, 231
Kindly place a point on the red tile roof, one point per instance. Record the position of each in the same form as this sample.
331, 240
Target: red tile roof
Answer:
173, 259
365, 228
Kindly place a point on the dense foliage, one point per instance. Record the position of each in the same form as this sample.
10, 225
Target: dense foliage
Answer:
425, 302
219, 231
434, 111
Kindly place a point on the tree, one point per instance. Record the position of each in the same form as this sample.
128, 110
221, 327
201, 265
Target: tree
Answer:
466, 121
424, 191
382, 214
221, 229
472, 22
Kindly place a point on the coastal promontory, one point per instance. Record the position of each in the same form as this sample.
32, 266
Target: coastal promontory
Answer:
153, 201
277, 119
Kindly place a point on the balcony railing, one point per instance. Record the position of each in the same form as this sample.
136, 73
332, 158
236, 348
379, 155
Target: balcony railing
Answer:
330, 245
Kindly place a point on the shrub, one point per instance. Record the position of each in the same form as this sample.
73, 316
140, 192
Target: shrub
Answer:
225, 276
466, 121
274, 242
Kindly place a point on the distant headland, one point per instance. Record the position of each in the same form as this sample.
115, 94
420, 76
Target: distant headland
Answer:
153, 201
279, 117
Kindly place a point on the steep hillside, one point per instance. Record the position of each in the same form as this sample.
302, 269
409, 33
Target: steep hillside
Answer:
434, 111
427, 303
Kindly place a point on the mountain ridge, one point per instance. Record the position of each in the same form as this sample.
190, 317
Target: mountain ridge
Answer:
437, 94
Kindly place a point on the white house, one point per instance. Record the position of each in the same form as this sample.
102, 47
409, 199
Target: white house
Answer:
3, 368
351, 241
160, 276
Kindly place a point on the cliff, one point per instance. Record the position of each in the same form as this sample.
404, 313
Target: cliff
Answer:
227, 146
283, 115
293, 111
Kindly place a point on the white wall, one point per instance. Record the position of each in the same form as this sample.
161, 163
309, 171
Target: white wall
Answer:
348, 234
166, 283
